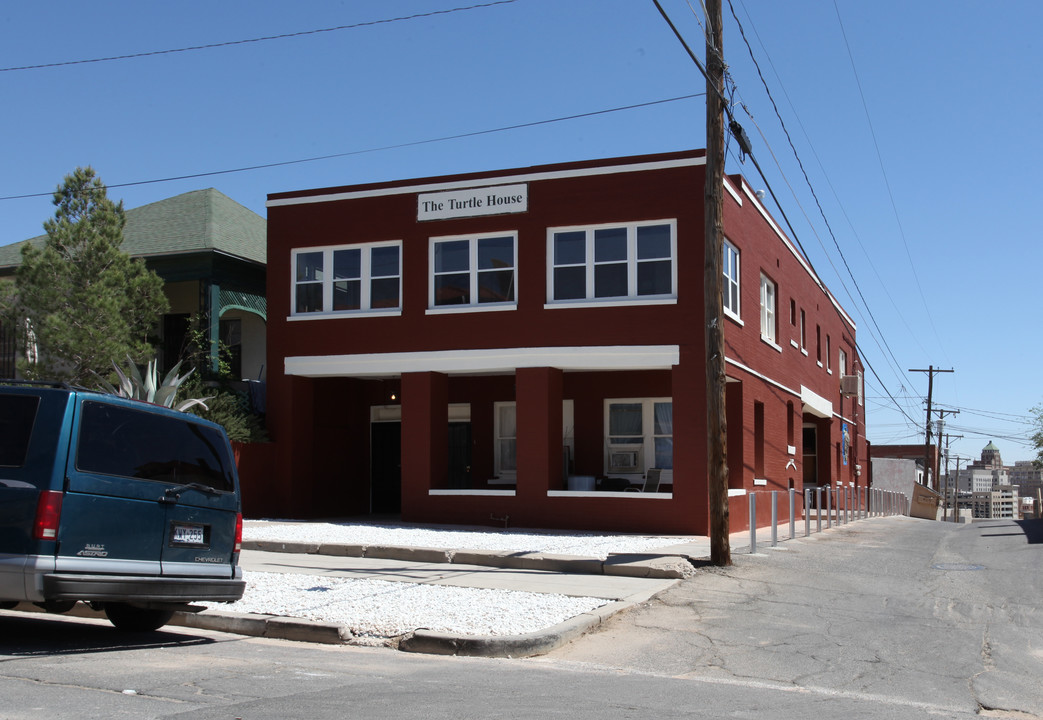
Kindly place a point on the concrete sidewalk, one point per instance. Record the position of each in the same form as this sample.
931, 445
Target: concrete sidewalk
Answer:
622, 579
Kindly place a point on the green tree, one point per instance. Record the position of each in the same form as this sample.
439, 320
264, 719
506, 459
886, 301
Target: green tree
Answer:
87, 302
1037, 433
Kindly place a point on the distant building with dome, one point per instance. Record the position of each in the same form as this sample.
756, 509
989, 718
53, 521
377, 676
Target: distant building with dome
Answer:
984, 475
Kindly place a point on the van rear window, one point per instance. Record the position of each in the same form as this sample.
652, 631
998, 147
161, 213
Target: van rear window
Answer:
120, 441
17, 415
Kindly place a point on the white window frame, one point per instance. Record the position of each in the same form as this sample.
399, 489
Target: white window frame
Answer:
473, 272
769, 310
509, 477
365, 280
731, 262
648, 437
632, 262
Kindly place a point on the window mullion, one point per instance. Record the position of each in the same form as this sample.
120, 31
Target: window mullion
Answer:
632, 261
364, 279
327, 280
472, 258
590, 263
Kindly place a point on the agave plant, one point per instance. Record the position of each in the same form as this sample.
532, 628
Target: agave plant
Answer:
148, 388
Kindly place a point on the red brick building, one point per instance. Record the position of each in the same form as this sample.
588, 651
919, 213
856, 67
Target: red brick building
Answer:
524, 346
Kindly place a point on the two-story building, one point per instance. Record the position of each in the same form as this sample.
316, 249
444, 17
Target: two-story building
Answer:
526, 347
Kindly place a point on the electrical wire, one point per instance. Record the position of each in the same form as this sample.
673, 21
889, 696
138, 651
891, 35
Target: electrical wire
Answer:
414, 143
770, 190
131, 56
807, 180
883, 171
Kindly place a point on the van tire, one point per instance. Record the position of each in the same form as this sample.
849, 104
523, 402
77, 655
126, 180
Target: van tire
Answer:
128, 618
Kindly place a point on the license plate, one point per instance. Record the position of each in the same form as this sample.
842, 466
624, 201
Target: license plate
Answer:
188, 535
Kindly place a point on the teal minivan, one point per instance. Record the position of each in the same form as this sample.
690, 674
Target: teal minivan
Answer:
128, 506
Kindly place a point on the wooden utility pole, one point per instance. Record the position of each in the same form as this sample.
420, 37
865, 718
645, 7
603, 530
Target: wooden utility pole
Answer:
928, 466
716, 426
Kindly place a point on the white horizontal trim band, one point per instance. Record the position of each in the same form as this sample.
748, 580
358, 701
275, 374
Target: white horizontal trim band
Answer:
490, 181
499, 360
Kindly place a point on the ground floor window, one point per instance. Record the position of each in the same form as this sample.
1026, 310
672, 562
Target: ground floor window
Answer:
638, 435
505, 432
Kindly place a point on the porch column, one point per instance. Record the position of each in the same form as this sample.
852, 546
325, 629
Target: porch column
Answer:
296, 437
425, 438
538, 394
688, 388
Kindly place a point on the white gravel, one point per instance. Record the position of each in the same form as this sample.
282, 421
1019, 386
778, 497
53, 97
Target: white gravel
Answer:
584, 544
374, 610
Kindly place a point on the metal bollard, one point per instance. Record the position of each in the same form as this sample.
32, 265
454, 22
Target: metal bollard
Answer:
792, 512
807, 515
753, 523
829, 506
774, 518
818, 509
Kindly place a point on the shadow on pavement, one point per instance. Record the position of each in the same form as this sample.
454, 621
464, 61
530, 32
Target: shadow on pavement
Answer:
1033, 530
33, 634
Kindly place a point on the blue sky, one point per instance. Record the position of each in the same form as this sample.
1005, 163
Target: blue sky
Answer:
917, 124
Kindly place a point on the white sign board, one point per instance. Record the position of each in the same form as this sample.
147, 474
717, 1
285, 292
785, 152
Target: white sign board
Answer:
495, 200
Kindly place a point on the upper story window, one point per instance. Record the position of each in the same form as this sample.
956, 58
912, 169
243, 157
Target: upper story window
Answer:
730, 265
768, 309
612, 262
478, 270
348, 278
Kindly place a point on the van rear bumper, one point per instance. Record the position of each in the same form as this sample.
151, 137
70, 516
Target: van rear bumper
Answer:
130, 588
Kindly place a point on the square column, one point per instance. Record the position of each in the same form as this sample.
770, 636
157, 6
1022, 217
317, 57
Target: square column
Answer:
425, 437
688, 388
538, 393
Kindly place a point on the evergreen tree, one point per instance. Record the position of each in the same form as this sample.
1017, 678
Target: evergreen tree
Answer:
87, 303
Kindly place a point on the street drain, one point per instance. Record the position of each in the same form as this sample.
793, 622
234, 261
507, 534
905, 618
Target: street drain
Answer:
956, 566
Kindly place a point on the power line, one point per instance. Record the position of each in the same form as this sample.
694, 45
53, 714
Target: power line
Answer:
807, 180
748, 151
883, 171
414, 143
131, 56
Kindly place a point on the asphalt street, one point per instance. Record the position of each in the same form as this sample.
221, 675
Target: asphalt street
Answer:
916, 614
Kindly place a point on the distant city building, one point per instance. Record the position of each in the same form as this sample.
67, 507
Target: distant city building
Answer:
1027, 478
984, 475
1001, 502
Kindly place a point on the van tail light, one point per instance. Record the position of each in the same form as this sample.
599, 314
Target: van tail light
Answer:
48, 513
238, 533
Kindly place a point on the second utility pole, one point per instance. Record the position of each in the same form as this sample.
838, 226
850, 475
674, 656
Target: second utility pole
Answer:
927, 464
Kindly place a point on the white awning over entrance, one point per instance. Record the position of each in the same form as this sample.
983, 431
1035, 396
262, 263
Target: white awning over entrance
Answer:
815, 404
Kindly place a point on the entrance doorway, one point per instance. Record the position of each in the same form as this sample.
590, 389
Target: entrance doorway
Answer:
385, 494
809, 458
460, 455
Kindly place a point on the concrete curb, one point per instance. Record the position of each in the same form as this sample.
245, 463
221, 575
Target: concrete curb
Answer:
419, 641
509, 646
267, 626
630, 565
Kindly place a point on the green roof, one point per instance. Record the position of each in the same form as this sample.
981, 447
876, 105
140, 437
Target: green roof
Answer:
197, 221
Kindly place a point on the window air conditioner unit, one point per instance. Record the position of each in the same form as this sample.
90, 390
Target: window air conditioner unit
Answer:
849, 385
624, 461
